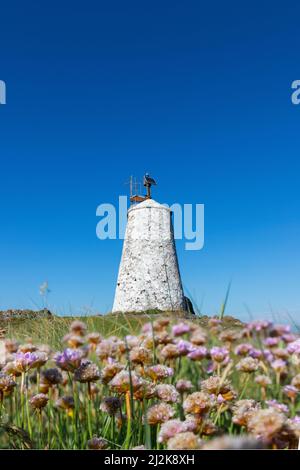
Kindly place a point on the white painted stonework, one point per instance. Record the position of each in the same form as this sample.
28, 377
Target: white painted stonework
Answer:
149, 275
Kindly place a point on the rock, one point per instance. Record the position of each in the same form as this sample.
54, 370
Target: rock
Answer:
189, 306
12, 314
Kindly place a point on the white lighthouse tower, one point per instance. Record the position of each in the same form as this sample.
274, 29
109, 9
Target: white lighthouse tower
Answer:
149, 276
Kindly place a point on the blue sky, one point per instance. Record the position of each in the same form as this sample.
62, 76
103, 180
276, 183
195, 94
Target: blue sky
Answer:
195, 93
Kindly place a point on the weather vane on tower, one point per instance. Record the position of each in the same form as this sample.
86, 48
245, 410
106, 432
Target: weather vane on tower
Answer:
135, 187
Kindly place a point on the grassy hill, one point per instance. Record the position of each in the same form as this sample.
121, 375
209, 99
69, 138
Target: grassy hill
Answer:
51, 328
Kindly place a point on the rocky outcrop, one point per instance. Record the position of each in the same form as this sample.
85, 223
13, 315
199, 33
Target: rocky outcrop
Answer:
12, 314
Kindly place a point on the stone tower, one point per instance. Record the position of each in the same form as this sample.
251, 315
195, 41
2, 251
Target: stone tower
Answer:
149, 276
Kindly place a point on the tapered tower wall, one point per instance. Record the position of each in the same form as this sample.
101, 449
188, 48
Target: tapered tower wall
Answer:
149, 276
